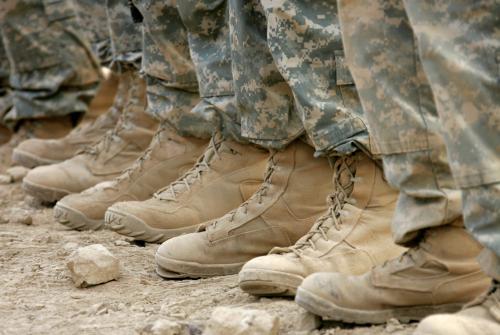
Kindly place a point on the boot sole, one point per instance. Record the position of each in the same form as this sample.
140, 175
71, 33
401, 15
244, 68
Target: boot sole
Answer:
196, 270
330, 311
129, 225
75, 219
43, 193
29, 160
269, 283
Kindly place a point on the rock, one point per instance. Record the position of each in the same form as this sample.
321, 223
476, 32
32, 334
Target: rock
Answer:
93, 265
18, 215
121, 243
5, 179
165, 327
393, 325
306, 322
240, 321
17, 173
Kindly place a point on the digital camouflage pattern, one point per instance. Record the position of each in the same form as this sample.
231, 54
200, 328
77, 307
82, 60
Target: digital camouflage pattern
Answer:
305, 42
172, 76
52, 70
459, 72
209, 44
5, 95
125, 36
93, 21
264, 99
290, 75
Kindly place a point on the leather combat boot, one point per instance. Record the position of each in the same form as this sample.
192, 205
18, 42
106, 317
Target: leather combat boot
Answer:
35, 152
225, 176
105, 160
284, 208
481, 317
166, 159
5, 134
439, 275
106, 94
353, 236
45, 128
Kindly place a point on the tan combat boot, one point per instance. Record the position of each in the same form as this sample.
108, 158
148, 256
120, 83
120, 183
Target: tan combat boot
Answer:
105, 96
226, 175
105, 160
35, 152
438, 276
5, 134
284, 208
481, 317
47, 128
166, 159
351, 238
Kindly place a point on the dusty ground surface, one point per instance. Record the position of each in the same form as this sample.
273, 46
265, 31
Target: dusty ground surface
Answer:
37, 295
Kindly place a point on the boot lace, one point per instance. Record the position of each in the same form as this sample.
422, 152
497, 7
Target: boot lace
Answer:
344, 179
258, 196
170, 192
137, 166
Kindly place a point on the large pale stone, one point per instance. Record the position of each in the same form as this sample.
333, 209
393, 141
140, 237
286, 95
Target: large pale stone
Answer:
93, 265
240, 321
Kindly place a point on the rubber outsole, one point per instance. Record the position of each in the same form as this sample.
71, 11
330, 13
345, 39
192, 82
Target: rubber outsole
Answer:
75, 219
269, 283
129, 225
43, 193
329, 311
196, 270
29, 160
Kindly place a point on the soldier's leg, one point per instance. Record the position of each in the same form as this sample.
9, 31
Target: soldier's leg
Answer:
459, 48
5, 97
226, 163
53, 72
401, 113
93, 21
112, 151
304, 39
5, 94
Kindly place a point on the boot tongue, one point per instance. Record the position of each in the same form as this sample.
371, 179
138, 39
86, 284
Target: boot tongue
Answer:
159, 137
344, 172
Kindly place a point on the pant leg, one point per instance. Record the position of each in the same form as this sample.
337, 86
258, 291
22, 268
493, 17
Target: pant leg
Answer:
403, 121
265, 100
5, 95
459, 45
305, 42
125, 37
172, 84
93, 21
53, 71
207, 22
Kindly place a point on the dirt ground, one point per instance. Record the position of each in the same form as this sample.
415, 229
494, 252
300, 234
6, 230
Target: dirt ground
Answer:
37, 295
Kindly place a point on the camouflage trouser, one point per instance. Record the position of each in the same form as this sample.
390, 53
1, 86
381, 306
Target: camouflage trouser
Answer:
449, 87
125, 37
209, 44
5, 95
172, 84
52, 70
93, 21
290, 75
